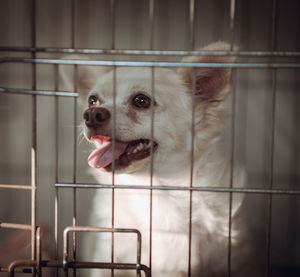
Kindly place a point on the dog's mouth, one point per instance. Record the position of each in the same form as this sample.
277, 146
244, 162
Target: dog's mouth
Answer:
124, 153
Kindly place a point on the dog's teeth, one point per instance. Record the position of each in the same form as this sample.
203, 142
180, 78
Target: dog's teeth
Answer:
140, 147
128, 153
147, 144
135, 151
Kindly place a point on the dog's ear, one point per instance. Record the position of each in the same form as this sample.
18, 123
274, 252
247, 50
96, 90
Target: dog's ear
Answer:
86, 76
211, 83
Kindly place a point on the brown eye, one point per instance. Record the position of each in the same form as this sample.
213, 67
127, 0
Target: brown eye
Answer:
93, 100
141, 101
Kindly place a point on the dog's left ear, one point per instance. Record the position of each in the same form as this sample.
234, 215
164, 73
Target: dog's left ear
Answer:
211, 83
87, 77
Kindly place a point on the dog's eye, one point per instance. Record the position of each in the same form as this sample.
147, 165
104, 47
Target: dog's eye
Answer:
141, 101
93, 100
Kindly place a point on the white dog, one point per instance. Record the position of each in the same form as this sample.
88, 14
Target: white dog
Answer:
172, 101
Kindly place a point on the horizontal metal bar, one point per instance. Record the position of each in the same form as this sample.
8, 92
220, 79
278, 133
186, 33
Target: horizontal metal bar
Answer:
152, 52
59, 264
5, 186
204, 189
23, 270
15, 226
39, 92
151, 64
120, 266
100, 229
19, 263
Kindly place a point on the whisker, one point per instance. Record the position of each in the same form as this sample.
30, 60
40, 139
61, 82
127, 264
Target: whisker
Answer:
80, 137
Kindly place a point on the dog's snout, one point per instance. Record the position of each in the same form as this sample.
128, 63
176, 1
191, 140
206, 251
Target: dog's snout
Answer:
95, 117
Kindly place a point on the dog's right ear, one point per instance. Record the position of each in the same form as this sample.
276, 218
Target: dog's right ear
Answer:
211, 83
84, 79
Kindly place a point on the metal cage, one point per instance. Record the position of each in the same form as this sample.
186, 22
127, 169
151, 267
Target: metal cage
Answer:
273, 58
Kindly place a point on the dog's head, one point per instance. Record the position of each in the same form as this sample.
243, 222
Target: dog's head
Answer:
121, 103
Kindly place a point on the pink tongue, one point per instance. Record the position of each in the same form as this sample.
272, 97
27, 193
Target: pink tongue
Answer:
102, 157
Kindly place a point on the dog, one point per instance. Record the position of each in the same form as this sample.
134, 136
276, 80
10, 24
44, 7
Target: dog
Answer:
160, 154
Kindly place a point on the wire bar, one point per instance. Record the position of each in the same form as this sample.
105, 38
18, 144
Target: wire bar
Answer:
151, 163
192, 24
5, 186
232, 13
113, 23
39, 92
272, 139
24, 270
58, 264
56, 215
100, 230
73, 19
73, 13
151, 20
192, 168
152, 64
21, 263
114, 115
33, 139
194, 188
74, 176
232, 145
232, 163
38, 251
15, 226
120, 52
56, 200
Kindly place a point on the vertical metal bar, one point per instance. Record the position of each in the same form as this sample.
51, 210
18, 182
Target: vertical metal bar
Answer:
39, 251
192, 24
114, 124
75, 170
232, 146
192, 169
73, 6
34, 139
271, 169
232, 13
192, 46
232, 163
56, 211
33, 179
113, 45
113, 163
151, 19
65, 252
151, 163
274, 25
192, 43
113, 29
74, 221
113, 23
139, 254
272, 137
56, 214
232, 21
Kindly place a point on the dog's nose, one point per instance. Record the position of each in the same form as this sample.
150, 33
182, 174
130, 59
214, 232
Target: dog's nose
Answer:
95, 117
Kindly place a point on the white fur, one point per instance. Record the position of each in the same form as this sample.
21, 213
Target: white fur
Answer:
171, 167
